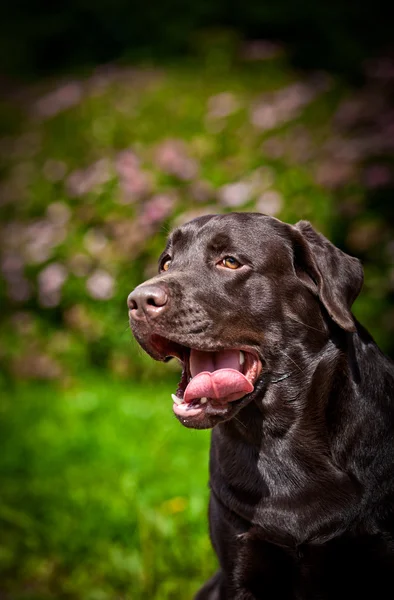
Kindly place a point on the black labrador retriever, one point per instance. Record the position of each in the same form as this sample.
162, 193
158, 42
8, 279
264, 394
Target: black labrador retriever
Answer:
300, 399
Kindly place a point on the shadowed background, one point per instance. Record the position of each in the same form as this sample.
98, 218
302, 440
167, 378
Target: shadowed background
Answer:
118, 122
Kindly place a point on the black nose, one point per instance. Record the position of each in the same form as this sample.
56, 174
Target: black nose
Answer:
147, 301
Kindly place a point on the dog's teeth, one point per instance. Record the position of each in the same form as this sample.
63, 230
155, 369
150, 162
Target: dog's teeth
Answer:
203, 400
241, 358
176, 399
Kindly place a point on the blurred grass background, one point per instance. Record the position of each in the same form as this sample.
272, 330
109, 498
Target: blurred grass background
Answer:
144, 121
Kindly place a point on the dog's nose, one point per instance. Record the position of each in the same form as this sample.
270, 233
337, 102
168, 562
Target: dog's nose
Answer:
147, 301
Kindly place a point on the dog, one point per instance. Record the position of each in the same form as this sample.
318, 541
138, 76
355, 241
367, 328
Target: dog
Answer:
299, 398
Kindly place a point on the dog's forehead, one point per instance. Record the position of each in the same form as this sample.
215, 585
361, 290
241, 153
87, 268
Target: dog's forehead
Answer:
244, 232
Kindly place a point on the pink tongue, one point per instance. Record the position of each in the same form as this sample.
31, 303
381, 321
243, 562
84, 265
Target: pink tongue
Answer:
216, 375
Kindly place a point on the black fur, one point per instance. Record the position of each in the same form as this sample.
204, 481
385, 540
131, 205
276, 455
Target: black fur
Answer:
301, 469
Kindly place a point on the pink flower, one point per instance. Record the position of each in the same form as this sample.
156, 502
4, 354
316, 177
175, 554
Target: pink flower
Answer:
61, 99
126, 163
100, 285
264, 116
235, 194
95, 241
50, 283
270, 203
82, 181
41, 237
276, 108
157, 209
172, 158
134, 182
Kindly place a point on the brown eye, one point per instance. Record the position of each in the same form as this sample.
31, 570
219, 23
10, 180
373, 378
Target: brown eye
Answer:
230, 262
166, 265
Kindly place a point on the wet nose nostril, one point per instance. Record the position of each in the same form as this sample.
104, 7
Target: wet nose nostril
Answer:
131, 302
155, 298
147, 300
154, 302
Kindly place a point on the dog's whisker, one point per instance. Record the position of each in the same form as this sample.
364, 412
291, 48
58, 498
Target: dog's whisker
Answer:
305, 325
165, 229
240, 422
293, 361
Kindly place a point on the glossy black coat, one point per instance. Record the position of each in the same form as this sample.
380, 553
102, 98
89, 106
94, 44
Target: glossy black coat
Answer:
302, 469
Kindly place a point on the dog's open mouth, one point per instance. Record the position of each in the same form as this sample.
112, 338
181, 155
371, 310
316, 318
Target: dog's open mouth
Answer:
210, 380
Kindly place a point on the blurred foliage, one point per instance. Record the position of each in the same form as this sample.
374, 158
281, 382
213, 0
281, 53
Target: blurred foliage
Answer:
99, 500
97, 170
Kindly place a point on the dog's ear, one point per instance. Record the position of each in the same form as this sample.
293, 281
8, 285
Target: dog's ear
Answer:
334, 276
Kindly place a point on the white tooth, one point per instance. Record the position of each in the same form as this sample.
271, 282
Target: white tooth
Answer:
241, 358
203, 400
176, 399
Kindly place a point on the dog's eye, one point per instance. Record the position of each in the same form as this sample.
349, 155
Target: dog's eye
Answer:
166, 265
229, 262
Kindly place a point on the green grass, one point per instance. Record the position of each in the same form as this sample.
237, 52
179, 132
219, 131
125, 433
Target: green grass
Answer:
104, 494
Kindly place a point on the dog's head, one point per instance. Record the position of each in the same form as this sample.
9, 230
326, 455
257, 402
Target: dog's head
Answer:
241, 300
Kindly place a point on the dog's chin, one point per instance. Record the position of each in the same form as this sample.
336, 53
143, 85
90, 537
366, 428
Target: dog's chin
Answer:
216, 383
208, 415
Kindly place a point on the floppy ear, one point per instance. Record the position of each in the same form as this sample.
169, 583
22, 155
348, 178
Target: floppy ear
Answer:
334, 276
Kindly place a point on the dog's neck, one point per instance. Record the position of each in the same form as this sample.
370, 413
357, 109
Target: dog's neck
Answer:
289, 439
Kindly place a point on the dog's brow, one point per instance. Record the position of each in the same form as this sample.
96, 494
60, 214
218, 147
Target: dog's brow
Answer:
219, 243
180, 239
